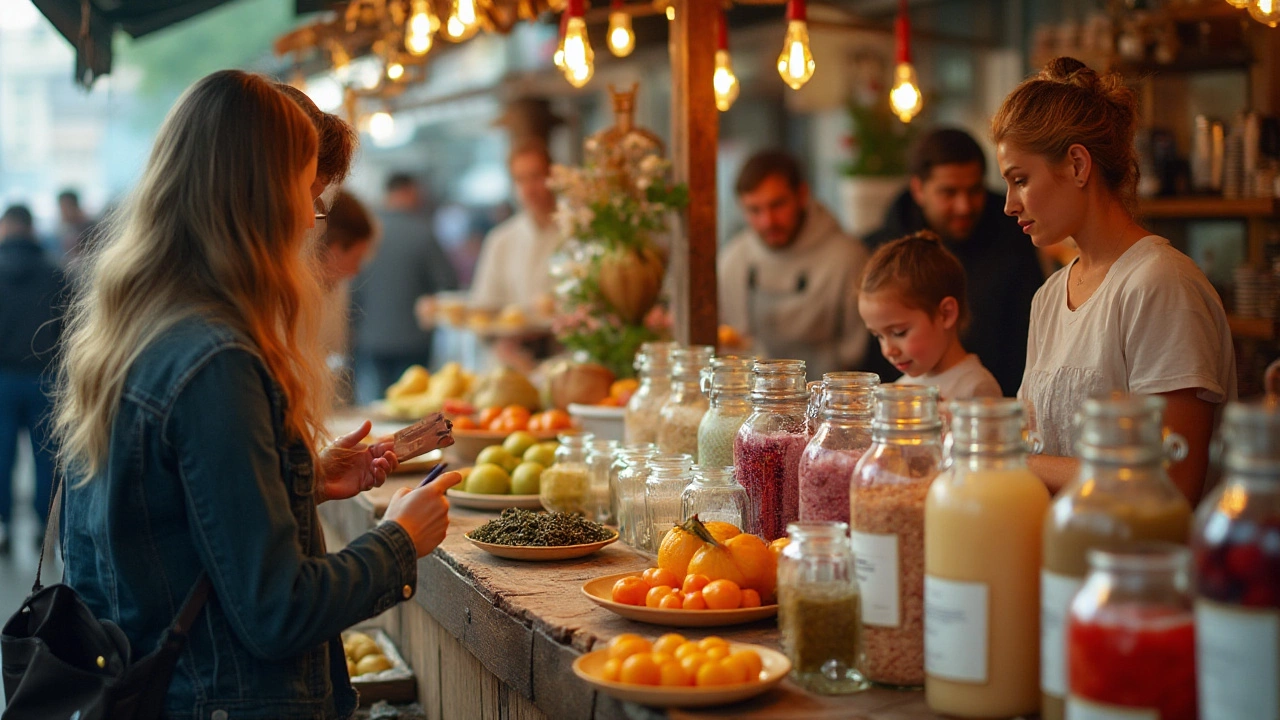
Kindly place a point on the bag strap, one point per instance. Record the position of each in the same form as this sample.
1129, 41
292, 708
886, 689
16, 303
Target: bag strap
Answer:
191, 607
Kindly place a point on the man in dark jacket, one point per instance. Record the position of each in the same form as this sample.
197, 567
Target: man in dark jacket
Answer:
947, 195
31, 296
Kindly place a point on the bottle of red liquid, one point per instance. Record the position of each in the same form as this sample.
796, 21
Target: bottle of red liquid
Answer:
1131, 637
1236, 541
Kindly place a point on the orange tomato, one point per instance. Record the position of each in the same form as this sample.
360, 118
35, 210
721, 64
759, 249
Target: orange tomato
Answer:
669, 643
556, 419
694, 583
672, 601
535, 424
640, 669
750, 598
626, 645
694, 601
711, 673
630, 590
740, 671
717, 653
655, 595
487, 416
752, 661
658, 576
673, 674
506, 425
688, 647
692, 662
611, 670
463, 422
517, 411
722, 595
711, 641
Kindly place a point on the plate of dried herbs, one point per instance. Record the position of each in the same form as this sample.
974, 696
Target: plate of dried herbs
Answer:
520, 534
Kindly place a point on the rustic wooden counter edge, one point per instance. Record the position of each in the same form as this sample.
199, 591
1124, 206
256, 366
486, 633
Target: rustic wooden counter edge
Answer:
515, 661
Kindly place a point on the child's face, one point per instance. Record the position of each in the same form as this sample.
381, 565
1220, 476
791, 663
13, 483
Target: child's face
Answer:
909, 338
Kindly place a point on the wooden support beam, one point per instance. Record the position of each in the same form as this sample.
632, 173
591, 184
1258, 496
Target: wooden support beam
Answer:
695, 131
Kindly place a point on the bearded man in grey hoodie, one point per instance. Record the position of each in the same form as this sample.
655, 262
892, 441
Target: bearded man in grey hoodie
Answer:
789, 281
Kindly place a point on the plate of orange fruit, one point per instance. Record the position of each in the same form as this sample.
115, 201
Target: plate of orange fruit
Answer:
673, 671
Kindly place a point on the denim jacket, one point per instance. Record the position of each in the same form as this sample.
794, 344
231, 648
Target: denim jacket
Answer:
200, 476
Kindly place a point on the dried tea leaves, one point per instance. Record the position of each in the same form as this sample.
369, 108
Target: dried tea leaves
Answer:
528, 528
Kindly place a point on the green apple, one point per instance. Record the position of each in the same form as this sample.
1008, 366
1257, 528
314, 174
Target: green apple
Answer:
518, 442
499, 456
527, 479
543, 453
489, 479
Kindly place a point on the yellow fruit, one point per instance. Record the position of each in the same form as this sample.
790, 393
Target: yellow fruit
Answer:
372, 663
672, 674
351, 668
717, 653
362, 648
687, 647
683, 541
640, 669
692, 662
711, 641
738, 668
668, 643
612, 670
414, 381
714, 673
752, 662
626, 645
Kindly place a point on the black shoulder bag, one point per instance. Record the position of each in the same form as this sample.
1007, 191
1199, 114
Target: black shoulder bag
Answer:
60, 662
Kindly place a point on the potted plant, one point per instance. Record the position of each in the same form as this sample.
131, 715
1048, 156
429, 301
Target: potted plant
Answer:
877, 169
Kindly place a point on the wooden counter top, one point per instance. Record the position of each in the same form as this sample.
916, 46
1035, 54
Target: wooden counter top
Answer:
526, 623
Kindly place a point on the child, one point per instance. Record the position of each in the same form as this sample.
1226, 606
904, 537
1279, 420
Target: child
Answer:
912, 299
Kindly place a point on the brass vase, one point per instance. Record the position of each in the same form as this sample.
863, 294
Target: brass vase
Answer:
631, 280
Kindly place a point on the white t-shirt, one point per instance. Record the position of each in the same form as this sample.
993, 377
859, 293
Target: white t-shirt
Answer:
968, 378
513, 267
1154, 325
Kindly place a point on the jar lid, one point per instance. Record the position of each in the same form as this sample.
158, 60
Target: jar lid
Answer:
727, 374
907, 407
691, 360
778, 379
1124, 429
987, 426
1140, 557
848, 392
1251, 436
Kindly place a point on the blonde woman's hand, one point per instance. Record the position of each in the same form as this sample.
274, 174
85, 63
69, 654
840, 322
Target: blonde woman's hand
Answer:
423, 512
347, 468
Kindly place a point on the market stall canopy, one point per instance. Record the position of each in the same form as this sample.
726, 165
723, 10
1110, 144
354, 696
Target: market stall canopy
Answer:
89, 24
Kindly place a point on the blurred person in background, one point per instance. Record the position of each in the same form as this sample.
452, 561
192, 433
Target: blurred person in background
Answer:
32, 294
75, 228
408, 264
344, 245
790, 280
947, 195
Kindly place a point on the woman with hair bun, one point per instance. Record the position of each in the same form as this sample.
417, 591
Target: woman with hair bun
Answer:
1131, 314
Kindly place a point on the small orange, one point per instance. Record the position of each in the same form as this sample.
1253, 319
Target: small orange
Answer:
722, 595
688, 647
556, 420
463, 422
694, 583
711, 641
659, 576
611, 670
752, 660
487, 416
656, 594
535, 424
517, 411
694, 601
738, 668
672, 601
692, 662
626, 645
630, 590
717, 653
673, 674
750, 598
609, 402
669, 643
640, 669
711, 673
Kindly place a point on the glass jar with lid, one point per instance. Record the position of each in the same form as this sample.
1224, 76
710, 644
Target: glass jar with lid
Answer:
669, 475
631, 471
846, 401
565, 486
1236, 541
653, 366
682, 412
982, 530
1131, 636
770, 442
727, 384
714, 494
818, 608
1121, 494
886, 524
600, 454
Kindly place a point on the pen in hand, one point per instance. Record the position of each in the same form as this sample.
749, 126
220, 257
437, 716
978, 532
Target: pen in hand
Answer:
435, 472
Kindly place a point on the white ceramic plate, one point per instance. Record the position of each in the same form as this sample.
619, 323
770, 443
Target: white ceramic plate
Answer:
526, 552
776, 666
600, 591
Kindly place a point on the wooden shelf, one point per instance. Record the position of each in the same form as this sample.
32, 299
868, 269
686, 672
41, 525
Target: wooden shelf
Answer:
1208, 207
1252, 328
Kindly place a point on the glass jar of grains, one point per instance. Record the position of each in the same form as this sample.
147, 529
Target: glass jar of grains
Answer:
599, 462
682, 413
727, 384
818, 611
653, 365
565, 485
843, 435
770, 442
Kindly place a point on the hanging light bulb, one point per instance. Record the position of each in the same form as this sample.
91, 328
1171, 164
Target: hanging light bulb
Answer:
671, 12
421, 26
723, 80
395, 71
579, 60
905, 97
1266, 12
622, 39
795, 63
382, 127
462, 22
558, 57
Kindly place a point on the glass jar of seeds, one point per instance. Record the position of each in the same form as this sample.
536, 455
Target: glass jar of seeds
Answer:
565, 485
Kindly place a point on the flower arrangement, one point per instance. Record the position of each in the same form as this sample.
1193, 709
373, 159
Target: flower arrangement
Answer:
877, 140
610, 274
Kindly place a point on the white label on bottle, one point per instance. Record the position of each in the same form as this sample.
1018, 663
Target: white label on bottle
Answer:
1056, 592
1078, 709
876, 558
955, 630
1237, 662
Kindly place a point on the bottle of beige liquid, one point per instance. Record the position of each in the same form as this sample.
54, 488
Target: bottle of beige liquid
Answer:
982, 534
1121, 495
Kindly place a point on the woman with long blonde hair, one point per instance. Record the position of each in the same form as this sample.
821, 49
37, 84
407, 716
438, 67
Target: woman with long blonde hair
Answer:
191, 399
